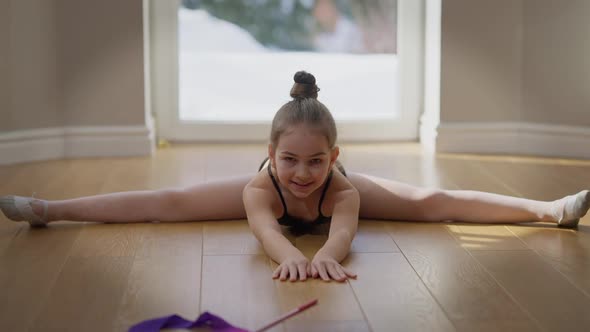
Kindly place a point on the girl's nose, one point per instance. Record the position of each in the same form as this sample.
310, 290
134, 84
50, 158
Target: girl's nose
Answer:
302, 172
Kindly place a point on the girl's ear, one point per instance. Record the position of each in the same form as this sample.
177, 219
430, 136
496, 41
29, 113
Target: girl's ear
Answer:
334, 155
271, 154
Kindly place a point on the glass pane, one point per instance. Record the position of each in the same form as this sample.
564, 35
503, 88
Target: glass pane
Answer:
238, 57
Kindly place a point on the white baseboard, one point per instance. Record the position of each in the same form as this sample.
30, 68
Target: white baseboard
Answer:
514, 138
75, 142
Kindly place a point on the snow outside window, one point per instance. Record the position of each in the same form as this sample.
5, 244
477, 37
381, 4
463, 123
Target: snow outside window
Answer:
237, 57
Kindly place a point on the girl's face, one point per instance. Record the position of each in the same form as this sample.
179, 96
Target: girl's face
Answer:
302, 159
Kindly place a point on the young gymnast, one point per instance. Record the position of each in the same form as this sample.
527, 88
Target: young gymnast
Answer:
301, 183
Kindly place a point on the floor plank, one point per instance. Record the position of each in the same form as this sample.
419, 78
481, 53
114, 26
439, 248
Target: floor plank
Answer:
325, 325
400, 164
134, 170
230, 238
181, 166
392, 296
372, 236
470, 297
526, 180
8, 231
466, 174
165, 277
85, 177
112, 240
486, 237
26, 282
32, 258
84, 296
39, 178
221, 161
546, 295
336, 301
239, 288
566, 250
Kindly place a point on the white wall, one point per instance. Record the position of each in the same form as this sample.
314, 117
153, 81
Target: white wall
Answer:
72, 79
515, 77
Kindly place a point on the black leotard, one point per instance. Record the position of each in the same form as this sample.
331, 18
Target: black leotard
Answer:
286, 219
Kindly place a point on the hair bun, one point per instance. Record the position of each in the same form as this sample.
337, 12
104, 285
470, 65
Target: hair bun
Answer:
304, 77
304, 86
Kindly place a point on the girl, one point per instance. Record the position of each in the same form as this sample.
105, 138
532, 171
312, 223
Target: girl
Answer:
301, 183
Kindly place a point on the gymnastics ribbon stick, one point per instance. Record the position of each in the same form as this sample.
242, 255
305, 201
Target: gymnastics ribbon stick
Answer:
287, 315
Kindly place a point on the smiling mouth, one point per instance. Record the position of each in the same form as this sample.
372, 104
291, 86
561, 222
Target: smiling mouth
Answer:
301, 185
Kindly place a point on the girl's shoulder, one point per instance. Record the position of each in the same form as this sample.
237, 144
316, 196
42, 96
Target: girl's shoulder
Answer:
340, 182
260, 181
340, 188
260, 192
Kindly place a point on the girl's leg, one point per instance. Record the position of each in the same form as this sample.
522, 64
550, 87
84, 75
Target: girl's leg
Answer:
204, 201
386, 199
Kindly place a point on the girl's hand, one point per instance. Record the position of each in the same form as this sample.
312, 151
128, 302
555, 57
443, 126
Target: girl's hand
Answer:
328, 268
292, 268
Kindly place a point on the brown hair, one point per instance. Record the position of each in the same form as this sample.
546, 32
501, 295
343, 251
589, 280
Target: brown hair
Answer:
304, 108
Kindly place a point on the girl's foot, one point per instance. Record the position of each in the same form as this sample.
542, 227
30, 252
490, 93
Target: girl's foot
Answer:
19, 208
568, 210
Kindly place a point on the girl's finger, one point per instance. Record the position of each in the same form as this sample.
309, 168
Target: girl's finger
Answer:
334, 274
314, 271
309, 270
323, 273
349, 273
292, 272
276, 272
284, 273
302, 271
340, 270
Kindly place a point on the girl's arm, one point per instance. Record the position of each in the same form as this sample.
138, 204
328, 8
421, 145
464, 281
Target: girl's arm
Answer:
292, 263
326, 262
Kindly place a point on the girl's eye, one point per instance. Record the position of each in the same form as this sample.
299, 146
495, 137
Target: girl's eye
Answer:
289, 159
316, 161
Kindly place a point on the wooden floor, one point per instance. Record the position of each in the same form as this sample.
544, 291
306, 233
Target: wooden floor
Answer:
411, 276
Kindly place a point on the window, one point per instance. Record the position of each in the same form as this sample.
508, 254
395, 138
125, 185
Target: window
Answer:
223, 68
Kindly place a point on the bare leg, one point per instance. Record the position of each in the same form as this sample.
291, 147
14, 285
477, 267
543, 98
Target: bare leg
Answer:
386, 199
204, 201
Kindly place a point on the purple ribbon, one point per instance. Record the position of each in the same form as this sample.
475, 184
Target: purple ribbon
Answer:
206, 319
